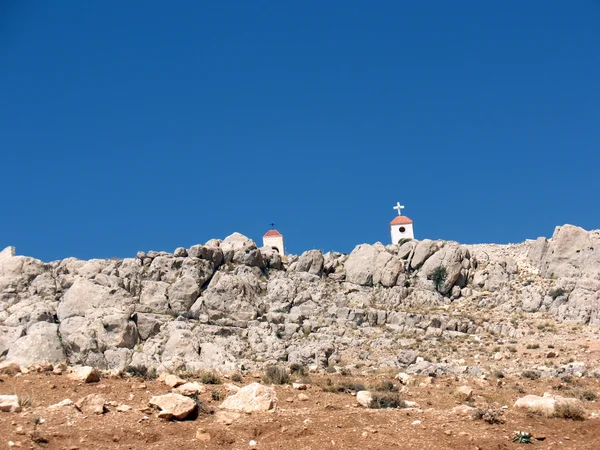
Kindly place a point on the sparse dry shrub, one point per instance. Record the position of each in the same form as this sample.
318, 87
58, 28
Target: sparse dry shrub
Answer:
383, 400
276, 375
569, 410
385, 386
344, 387
218, 395
533, 346
209, 378
142, 372
298, 369
489, 415
530, 374
585, 394
237, 377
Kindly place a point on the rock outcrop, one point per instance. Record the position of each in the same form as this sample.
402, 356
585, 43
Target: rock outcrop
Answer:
229, 305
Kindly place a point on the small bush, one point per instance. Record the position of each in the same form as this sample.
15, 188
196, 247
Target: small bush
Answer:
297, 369
492, 416
345, 387
386, 386
569, 410
276, 375
498, 374
512, 349
344, 371
533, 346
530, 374
383, 400
237, 377
142, 372
438, 276
217, 395
585, 394
209, 378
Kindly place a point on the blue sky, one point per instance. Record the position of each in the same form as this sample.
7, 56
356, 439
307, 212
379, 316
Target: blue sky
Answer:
141, 125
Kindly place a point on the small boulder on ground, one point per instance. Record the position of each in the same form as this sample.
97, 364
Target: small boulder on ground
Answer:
62, 404
251, 398
91, 404
173, 406
173, 380
85, 374
9, 368
548, 404
464, 393
9, 403
189, 389
364, 398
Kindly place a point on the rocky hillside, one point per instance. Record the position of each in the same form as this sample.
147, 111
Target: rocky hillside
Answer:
229, 305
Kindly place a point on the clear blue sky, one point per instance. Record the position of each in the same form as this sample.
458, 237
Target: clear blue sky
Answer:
143, 125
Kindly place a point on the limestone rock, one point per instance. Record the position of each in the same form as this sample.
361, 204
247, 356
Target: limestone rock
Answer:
173, 380
364, 398
67, 402
189, 389
422, 252
40, 344
311, 261
464, 393
9, 403
91, 404
173, 406
251, 398
85, 374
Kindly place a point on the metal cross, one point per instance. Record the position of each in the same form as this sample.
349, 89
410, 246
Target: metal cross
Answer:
272, 225
399, 207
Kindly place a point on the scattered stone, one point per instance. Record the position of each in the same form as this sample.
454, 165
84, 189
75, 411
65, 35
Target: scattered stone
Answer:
173, 380
254, 397
464, 393
202, 435
463, 410
300, 386
364, 398
302, 397
62, 404
85, 374
189, 389
124, 408
9, 403
9, 368
173, 406
226, 417
91, 404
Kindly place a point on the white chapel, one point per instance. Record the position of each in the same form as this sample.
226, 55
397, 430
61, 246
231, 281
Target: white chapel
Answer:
274, 239
401, 227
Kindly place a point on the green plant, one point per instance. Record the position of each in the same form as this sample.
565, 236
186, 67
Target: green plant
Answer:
522, 437
385, 386
276, 375
438, 276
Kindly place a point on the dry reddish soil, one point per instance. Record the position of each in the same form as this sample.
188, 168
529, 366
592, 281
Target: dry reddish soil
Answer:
325, 421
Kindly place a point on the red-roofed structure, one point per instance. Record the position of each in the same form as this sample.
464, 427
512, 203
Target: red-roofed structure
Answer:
272, 233
401, 220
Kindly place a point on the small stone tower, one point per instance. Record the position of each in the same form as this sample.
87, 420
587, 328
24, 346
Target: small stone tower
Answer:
401, 227
274, 239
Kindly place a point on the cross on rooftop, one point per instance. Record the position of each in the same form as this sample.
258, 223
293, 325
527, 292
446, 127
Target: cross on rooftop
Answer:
399, 207
272, 225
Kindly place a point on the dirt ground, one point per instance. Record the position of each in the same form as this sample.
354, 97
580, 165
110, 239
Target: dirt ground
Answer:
325, 421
